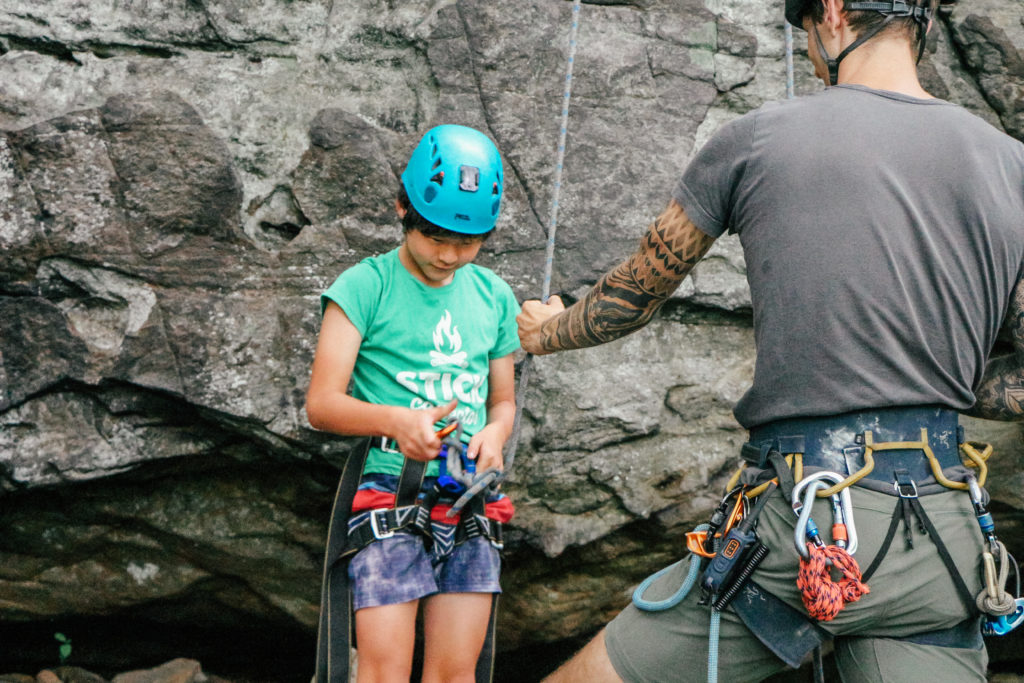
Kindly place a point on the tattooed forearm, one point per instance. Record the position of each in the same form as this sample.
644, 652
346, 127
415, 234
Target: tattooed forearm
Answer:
626, 298
1001, 393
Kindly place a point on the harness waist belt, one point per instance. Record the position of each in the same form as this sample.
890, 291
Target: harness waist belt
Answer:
837, 443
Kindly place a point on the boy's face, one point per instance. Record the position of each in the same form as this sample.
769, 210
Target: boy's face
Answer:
434, 260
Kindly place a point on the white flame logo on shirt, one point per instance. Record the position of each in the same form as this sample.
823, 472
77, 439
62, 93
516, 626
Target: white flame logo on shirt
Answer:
444, 330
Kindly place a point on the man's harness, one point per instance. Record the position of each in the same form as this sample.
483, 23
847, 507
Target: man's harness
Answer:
903, 452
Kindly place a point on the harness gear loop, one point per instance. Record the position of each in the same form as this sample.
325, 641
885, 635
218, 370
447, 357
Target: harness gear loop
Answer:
977, 459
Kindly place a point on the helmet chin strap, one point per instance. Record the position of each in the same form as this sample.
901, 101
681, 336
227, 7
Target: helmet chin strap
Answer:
833, 64
921, 17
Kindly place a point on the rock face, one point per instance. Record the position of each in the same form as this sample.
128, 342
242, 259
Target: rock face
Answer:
179, 183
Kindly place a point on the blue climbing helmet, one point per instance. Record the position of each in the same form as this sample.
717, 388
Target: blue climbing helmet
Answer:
454, 179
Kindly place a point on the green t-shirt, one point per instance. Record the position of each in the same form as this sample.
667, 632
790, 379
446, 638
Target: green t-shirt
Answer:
424, 346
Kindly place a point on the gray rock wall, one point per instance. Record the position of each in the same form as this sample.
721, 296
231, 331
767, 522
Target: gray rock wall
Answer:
180, 180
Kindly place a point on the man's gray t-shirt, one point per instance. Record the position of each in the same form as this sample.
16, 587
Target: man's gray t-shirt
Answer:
883, 235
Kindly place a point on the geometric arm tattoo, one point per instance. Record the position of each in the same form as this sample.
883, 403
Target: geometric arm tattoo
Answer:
627, 297
1000, 396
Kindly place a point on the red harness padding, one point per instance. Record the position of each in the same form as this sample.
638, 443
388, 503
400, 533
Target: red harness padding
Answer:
822, 596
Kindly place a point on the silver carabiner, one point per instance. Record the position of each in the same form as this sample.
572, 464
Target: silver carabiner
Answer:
844, 505
805, 527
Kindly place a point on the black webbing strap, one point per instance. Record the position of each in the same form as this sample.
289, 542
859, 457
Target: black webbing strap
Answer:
909, 504
783, 472
947, 559
335, 631
485, 662
410, 482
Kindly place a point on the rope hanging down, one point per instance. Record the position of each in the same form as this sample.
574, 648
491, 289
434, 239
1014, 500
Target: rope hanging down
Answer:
549, 251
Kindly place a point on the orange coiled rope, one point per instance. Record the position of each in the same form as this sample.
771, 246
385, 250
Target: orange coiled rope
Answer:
823, 597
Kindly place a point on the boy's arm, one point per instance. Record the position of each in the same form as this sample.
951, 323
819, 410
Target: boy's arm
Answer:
1000, 396
627, 297
331, 409
501, 409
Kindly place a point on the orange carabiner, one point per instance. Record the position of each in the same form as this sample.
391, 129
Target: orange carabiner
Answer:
697, 541
447, 429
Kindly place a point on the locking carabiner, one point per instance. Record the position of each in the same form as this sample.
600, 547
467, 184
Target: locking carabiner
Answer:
844, 531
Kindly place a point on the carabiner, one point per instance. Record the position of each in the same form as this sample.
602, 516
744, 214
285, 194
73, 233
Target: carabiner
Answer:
805, 528
842, 509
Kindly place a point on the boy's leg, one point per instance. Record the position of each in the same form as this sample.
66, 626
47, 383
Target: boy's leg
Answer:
456, 620
388, 579
386, 636
454, 628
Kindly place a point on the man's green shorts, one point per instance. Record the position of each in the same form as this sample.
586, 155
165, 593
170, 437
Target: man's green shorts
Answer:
911, 593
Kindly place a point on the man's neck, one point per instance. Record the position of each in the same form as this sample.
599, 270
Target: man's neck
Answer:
883, 64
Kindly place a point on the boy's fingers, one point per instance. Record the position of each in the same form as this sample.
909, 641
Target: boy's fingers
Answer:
441, 411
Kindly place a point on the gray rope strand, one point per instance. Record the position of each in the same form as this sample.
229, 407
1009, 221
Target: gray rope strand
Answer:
789, 60
549, 252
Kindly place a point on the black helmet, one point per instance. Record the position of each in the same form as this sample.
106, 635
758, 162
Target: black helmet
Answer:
795, 11
892, 9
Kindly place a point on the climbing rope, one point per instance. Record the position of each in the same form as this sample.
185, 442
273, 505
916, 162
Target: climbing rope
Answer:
789, 60
549, 251
822, 596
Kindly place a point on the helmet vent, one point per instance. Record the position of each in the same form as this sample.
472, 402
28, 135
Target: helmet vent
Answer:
429, 193
494, 207
437, 161
438, 178
494, 190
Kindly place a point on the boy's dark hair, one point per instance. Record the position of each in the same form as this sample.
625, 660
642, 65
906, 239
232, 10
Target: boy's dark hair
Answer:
865, 20
414, 221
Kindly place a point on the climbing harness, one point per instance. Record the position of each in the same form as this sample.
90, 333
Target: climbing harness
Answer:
801, 458
348, 534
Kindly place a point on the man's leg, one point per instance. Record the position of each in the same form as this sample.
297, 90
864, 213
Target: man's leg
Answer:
868, 660
671, 645
589, 664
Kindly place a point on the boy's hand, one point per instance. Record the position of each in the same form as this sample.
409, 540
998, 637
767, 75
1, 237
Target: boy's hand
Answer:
415, 432
533, 315
485, 447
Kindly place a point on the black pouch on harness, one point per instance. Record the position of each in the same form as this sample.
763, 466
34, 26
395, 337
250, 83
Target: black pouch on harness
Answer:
768, 617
